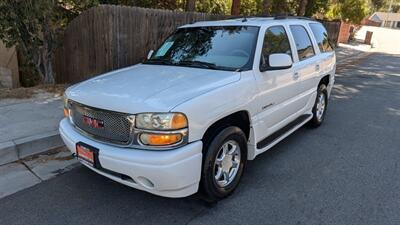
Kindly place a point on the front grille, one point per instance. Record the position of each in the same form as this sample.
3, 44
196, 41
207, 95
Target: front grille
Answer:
115, 127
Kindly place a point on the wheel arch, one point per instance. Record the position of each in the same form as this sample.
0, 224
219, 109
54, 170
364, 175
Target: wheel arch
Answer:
325, 80
240, 119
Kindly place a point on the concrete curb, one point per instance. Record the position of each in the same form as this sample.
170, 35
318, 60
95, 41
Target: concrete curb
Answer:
8, 152
20, 148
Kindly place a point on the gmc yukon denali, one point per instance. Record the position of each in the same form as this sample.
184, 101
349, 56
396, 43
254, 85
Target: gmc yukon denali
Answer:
214, 95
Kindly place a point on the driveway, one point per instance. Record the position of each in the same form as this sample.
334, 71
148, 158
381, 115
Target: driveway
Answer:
345, 172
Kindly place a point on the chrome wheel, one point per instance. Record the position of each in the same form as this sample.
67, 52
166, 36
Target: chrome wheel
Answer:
227, 163
321, 104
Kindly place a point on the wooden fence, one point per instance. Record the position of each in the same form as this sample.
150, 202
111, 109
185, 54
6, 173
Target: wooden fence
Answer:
109, 37
333, 29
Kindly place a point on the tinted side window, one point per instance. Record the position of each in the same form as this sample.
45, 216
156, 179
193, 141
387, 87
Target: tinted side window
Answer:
303, 42
321, 36
275, 41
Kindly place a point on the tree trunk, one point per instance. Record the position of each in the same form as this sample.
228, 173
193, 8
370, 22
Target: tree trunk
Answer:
235, 7
46, 55
44, 66
267, 7
301, 11
48, 69
190, 5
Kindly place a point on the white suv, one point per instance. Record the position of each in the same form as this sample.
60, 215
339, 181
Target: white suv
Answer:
214, 95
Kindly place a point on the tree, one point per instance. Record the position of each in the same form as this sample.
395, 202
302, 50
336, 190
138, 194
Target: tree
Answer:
35, 27
301, 11
190, 5
267, 7
213, 6
396, 8
378, 4
280, 7
349, 10
235, 7
316, 6
250, 7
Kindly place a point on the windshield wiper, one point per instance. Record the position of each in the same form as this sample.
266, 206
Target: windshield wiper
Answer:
159, 61
196, 63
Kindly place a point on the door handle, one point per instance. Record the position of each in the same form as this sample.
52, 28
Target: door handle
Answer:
317, 68
296, 75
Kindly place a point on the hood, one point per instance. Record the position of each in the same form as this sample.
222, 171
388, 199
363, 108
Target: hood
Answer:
148, 88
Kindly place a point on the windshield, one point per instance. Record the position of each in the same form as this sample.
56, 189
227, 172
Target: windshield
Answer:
222, 48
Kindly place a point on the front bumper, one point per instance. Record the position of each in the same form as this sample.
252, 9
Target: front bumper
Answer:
174, 173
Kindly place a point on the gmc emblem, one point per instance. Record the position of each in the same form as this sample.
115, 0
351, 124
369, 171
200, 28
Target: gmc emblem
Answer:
91, 122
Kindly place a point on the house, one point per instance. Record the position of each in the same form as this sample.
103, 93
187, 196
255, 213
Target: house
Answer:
385, 19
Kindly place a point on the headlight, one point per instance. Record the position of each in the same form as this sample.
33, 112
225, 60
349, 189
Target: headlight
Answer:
66, 108
161, 129
161, 121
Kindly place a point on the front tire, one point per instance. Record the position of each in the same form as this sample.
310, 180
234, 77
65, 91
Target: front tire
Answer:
224, 161
320, 106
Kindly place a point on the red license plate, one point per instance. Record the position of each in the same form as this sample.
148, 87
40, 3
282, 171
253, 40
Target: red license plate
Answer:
85, 153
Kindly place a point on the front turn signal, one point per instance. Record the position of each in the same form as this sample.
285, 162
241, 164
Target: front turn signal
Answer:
160, 139
66, 112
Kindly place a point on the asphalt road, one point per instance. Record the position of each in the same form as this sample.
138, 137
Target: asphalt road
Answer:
345, 172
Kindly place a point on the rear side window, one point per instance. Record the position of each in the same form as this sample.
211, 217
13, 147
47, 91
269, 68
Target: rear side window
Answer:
321, 36
303, 42
275, 41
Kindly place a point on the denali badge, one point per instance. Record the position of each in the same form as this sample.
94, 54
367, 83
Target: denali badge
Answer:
91, 122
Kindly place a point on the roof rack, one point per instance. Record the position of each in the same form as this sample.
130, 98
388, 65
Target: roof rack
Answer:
276, 17
292, 17
244, 18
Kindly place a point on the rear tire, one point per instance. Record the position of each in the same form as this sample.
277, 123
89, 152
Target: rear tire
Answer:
320, 106
223, 164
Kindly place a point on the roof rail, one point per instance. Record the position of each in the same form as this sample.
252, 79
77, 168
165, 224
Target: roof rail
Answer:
276, 17
293, 17
244, 18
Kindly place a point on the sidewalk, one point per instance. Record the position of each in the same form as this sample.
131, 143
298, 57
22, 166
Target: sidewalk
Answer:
31, 150
32, 170
29, 126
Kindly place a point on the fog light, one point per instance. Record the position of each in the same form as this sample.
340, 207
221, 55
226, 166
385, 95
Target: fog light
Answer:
160, 139
145, 182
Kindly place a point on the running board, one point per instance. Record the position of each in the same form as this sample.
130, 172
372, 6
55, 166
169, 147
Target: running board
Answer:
286, 130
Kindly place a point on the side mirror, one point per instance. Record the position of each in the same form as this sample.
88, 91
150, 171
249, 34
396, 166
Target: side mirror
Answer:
278, 61
150, 54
